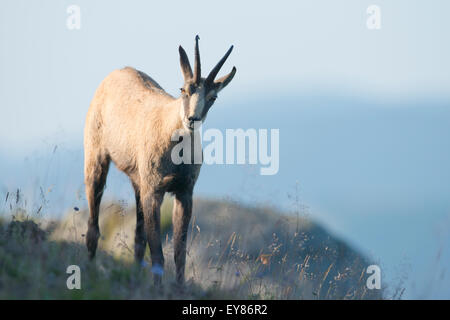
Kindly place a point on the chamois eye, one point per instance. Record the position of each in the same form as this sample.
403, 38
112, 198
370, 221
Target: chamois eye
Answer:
212, 99
191, 89
183, 92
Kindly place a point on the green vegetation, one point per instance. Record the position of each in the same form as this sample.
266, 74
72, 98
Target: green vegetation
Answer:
233, 252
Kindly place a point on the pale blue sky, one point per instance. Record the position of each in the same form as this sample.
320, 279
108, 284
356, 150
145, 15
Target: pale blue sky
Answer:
49, 73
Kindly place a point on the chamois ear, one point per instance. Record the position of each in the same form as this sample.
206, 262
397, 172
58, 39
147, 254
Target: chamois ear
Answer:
225, 80
185, 65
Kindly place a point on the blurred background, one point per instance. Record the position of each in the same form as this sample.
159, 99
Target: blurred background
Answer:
364, 115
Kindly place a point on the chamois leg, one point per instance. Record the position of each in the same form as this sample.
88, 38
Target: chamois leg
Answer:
139, 239
182, 211
96, 170
151, 204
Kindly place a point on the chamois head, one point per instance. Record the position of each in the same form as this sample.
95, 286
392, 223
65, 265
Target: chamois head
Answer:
198, 94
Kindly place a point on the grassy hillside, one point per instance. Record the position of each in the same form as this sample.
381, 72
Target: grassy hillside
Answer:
233, 252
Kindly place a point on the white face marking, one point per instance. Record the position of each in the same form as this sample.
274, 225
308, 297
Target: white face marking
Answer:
196, 105
193, 107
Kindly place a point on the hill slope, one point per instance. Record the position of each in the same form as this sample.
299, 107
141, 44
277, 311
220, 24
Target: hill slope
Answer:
233, 252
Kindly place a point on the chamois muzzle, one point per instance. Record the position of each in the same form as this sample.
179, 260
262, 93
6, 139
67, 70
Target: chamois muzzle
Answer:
192, 121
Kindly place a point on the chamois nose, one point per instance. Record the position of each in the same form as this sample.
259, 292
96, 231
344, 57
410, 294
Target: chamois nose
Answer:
192, 121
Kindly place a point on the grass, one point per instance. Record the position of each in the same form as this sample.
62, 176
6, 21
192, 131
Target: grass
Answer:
34, 267
233, 252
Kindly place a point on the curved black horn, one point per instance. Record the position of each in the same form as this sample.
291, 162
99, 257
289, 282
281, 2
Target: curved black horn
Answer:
197, 68
212, 75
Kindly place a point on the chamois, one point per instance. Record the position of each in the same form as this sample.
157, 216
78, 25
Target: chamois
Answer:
130, 122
